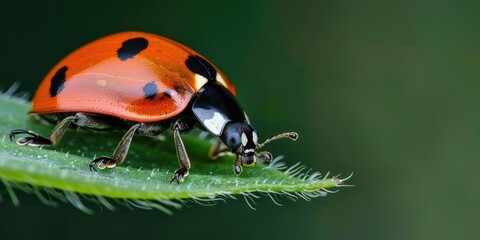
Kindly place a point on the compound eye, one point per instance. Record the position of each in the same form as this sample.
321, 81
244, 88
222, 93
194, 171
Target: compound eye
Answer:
233, 139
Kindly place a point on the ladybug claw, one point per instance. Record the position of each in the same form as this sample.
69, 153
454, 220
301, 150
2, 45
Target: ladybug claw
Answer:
92, 167
15, 132
103, 162
179, 175
33, 139
12, 136
173, 179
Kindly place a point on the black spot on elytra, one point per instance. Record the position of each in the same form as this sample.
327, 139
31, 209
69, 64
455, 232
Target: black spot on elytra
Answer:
199, 65
131, 48
57, 82
150, 90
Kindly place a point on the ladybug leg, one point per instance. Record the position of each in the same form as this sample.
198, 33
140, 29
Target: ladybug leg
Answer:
182, 155
33, 140
36, 140
237, 167
217, 151
120, 152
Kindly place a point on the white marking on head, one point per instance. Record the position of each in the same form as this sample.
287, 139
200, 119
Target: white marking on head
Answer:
221, 80
215, 124
255, 138
244, 139
249, 150
199, 81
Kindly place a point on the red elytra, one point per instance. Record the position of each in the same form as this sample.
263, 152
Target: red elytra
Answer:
97, 80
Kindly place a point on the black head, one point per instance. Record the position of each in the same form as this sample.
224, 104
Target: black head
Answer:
242, 139
218, 111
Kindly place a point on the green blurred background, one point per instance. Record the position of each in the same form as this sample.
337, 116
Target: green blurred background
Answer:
386, 90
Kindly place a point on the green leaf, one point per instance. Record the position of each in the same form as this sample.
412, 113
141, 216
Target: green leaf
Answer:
144, 178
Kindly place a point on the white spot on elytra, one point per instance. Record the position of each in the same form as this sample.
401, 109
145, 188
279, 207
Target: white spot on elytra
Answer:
199, 81
102, 83
216, 123
221, 80
244, 139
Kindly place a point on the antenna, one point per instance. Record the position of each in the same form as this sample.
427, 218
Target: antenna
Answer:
290, 135
267, 155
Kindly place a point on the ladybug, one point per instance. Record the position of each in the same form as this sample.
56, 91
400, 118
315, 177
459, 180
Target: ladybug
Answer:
144, 84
